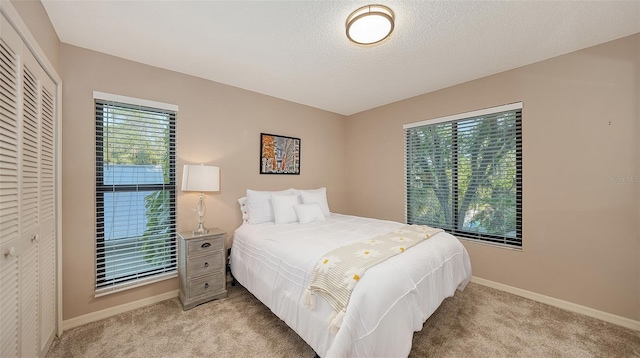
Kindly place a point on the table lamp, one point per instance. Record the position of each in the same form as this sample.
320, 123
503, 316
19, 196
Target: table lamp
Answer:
200, 178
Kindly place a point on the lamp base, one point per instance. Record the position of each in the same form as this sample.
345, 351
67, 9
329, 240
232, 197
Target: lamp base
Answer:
200, 230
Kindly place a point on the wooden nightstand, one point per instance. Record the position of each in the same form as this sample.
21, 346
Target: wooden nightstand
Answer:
202, 264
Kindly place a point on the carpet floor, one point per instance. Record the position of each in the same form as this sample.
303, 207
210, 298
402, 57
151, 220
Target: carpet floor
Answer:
479, 322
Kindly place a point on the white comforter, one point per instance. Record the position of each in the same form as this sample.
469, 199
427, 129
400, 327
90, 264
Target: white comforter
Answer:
389, 303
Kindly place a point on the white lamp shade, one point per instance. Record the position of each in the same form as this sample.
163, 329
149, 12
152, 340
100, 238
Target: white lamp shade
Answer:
200, 178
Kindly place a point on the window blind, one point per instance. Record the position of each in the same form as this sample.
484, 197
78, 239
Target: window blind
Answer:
135, 194
465, 175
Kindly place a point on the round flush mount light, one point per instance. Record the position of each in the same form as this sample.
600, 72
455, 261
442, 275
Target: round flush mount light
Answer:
370, 24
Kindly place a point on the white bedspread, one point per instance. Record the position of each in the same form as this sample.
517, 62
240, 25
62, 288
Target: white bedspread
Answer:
389, 303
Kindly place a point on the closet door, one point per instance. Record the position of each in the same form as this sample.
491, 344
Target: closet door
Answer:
10, 241
47, 242
27, 200
29, 208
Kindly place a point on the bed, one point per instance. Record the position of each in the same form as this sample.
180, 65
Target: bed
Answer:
391, 301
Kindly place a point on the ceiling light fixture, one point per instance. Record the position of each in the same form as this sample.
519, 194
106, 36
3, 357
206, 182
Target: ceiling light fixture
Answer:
370, 24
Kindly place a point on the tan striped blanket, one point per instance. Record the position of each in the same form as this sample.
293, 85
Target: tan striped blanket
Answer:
337, 273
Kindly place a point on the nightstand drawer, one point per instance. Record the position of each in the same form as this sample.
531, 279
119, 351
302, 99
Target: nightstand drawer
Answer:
206, 285
205, 245
204, 265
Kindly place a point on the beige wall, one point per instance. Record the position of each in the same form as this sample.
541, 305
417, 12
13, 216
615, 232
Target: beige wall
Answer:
581, 232
580, 127
33, 14
217, 125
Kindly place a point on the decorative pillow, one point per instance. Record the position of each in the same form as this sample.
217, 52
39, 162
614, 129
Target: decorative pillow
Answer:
316, 196
309, 213
259, 205
244, 209
283, 211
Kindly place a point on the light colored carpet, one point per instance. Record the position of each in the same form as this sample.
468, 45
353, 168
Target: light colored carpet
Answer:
479, 322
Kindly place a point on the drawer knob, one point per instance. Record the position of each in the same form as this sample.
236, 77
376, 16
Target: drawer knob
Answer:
10, 252
205, 245
206, 285
206, 264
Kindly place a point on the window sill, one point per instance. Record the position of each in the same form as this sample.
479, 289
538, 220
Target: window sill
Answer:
129, 285
492, 244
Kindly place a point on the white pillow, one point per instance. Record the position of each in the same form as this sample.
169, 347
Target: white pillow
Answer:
259, 205
316, 196
243, 209
283, 211
309, 213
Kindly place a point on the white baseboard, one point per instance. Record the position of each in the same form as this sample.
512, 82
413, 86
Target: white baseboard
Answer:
105, 313
587, 311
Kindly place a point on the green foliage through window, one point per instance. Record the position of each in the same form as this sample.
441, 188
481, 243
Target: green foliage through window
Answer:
465, 176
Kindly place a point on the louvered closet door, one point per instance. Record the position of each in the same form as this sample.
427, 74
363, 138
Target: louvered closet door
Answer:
27, 200
29, 208
10, 241
9, 294
9, 85
47, 242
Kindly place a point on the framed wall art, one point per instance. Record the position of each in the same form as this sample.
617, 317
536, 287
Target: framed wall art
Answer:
279, 154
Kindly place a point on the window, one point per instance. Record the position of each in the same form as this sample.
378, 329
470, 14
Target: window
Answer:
135, 192
464, 174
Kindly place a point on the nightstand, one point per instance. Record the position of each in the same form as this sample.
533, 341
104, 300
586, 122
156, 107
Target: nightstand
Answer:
201, 267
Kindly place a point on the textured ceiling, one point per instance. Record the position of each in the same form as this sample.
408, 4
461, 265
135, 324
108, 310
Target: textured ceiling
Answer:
298, 51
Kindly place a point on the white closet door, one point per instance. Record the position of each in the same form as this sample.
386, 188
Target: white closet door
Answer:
9, 298
29, 302
30, 135
10, 242
10, 47
47, 151
29, 205
47, 241
28, 239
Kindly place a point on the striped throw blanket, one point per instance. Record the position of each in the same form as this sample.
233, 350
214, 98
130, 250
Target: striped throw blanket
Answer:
337, 273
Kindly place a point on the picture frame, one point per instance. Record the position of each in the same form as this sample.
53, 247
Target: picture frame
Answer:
279, 154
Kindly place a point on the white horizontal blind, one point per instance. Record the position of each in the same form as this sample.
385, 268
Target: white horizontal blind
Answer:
135, 194
465, 176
